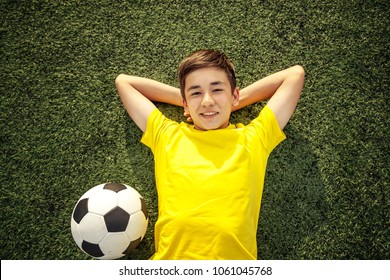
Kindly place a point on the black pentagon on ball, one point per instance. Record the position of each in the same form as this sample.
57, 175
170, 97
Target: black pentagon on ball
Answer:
116, 220
81, 210
143, 208
115, 187
133, 244
92, 249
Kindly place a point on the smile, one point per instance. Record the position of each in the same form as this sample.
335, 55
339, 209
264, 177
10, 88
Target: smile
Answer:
209, 114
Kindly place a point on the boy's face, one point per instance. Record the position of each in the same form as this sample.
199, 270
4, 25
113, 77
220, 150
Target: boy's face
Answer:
209, 98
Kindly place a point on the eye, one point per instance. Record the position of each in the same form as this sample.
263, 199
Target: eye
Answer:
195, 93
217, 90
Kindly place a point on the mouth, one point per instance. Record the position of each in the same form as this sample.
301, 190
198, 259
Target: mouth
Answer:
209, 115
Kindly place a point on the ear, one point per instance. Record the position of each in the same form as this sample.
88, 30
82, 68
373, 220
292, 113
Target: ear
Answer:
236, 97
187, 112
185, 106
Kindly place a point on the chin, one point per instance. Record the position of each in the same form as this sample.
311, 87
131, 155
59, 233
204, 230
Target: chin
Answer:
208, 127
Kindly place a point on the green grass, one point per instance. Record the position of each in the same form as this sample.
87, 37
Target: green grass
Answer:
64, 130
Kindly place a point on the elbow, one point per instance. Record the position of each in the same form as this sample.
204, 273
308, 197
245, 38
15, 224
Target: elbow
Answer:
299, 70
298, 73
123, 81
120, 79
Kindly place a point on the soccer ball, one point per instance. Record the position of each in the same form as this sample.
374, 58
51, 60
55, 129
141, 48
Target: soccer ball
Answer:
109, 221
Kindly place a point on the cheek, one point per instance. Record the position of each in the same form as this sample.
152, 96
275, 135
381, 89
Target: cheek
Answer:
223, 101
191, 106
192, 112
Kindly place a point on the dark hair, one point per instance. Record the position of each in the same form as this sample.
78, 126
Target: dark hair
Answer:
205, 58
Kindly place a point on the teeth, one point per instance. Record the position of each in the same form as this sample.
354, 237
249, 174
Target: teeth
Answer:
209, 113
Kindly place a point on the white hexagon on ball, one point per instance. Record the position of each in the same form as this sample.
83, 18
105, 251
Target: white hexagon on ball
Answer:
134, 232
92, 228
102, 202
118, 240
130, 200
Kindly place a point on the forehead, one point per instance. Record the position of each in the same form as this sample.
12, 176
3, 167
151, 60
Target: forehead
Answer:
206, 76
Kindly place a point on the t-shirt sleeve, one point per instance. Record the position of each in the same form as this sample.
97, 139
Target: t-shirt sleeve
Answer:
157, 125
268, 129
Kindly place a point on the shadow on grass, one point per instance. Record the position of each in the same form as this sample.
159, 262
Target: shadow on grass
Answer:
294, 203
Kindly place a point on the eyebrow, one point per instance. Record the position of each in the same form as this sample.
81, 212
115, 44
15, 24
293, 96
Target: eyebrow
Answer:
216, 83
193, 87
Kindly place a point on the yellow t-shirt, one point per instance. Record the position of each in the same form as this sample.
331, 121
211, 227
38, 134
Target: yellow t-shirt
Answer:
209, 186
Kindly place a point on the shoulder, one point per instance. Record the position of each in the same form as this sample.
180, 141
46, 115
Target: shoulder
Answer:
158, 126
266, 128
266, 115
157, 120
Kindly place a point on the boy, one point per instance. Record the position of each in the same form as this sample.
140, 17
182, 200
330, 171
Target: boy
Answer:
210, 175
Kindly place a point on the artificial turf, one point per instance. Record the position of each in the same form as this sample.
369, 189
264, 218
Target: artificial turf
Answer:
64, 129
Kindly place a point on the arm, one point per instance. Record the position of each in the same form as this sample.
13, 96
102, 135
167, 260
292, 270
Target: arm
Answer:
283, 90
138, 93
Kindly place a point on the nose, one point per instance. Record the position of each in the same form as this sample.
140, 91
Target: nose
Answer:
207, 100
